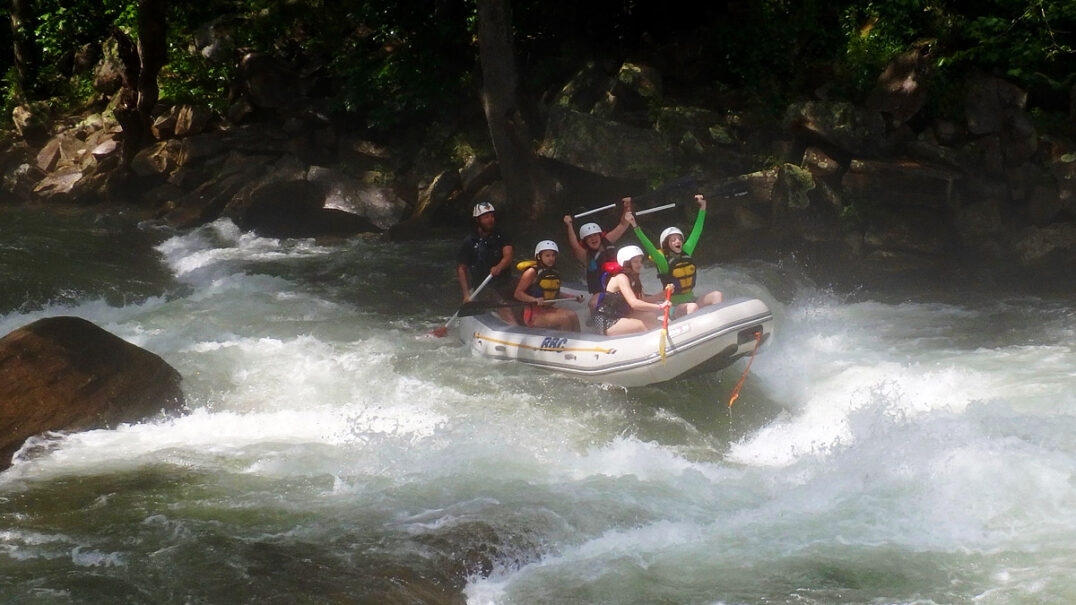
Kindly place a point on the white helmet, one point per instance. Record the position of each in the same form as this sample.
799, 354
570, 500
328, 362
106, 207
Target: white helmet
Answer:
546, 244
589, 229
667, 232
481, 208
627, 253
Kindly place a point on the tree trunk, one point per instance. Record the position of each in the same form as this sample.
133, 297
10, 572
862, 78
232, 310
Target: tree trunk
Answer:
25, 51
140, 92
507, 128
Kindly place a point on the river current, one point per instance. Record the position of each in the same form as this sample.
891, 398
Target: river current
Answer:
884, 449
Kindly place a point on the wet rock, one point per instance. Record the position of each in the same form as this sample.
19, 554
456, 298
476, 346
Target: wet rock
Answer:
901, 183
438, 192
31, 121
1053, 243
268, 83
158, 158
57, 185
293, 209
192, 119
585, 90
912, 229
990, 102
979, 220
67, 374
819, 163
901, 90
850, 128
378, 203
605, 147
108, 74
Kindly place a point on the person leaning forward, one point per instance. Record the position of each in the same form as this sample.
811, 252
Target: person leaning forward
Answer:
486, 251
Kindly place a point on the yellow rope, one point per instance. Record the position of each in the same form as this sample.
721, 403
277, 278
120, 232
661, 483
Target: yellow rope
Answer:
523, 346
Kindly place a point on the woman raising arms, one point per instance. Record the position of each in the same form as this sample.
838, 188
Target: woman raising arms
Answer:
595, 249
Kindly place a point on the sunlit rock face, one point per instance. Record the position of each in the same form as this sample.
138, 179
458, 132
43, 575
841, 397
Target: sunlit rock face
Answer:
67, 374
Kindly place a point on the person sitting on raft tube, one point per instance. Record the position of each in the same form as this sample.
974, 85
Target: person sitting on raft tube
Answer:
623, 308
595, 249
540, 285
675, 265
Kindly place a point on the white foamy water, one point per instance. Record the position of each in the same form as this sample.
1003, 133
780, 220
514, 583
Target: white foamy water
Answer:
332, 450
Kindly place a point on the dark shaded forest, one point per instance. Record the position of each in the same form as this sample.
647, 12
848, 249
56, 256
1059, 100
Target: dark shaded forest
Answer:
819, 111
385, 65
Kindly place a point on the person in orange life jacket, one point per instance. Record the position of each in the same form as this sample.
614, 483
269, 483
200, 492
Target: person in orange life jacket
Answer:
595, 249
486, 251
623, 308
540, 285
675, 265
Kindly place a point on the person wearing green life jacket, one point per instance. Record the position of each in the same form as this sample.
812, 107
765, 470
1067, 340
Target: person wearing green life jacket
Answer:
675, 265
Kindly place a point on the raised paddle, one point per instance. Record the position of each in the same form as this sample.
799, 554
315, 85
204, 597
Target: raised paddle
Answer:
594, 211
655, 209
671, 186
441, 331
728, 190
665, 323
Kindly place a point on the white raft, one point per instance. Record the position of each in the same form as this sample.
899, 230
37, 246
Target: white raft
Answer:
708, 340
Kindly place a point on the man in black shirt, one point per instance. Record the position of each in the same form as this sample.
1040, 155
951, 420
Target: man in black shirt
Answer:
486, 251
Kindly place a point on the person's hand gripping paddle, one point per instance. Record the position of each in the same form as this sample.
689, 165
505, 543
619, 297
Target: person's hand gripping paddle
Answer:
441, 331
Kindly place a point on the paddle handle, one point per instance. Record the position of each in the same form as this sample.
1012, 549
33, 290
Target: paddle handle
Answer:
473, 294
655, 209
594, 211
665, 323
480, 286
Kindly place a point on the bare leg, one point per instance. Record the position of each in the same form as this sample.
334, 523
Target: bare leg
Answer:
711, 298
626, 325
558, 319
684, 309
649, 318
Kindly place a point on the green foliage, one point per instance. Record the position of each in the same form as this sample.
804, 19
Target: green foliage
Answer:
191, 78
391, 63
872, 40
1031, 42
403, 63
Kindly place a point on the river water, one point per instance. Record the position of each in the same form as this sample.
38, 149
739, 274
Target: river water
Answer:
885, 449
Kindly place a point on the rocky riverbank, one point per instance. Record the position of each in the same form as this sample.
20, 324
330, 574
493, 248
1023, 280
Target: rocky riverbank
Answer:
873, 185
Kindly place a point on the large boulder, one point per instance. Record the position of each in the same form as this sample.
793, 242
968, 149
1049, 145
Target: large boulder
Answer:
852, 129
67, 374
901, 183
605, 147
379, 203
293, 208
901, 90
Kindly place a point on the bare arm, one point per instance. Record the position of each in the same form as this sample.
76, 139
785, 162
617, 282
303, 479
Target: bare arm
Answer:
525, 282
465, 286
506, 260
573, 240
623, 225
623, 285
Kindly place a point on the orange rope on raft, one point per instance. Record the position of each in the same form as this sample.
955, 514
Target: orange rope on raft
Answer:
557, 349
739, 385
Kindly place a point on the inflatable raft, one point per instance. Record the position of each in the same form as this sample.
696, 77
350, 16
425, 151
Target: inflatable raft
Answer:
705, 341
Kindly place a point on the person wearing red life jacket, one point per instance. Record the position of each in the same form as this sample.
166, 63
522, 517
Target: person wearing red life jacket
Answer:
594, 248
